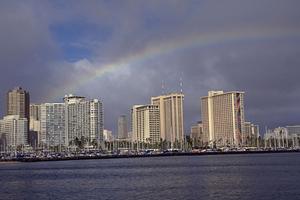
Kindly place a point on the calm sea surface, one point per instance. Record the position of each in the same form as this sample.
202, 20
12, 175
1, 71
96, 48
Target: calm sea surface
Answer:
255, 176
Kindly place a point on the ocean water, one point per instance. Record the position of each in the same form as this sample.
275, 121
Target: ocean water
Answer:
251, 176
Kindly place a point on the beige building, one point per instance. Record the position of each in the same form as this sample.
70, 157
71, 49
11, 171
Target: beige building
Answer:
223, 117
35, 116
34, 119
171, 116
145, 123
122, 127
196, 130
35, 111
197, 136
18, 103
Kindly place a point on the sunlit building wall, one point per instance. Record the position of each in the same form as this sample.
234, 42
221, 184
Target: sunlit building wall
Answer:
52, 122
145, 123
171, 116
223, 117
83, 119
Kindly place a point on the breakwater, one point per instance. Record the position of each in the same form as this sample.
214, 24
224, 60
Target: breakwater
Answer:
86, 157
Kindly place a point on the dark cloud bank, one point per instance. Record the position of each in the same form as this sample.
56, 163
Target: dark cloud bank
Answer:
36, 39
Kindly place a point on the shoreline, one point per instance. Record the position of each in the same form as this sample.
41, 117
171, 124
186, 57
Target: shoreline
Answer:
17, 160
8, 162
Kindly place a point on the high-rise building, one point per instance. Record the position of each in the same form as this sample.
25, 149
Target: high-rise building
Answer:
223, 117
34, 124
35, 116
52, 124
145, 123
122, 127
83, 119
171, 116
35, 111
96, 120
15, 131
77, 119
18, 103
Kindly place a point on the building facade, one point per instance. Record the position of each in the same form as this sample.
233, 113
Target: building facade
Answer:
251, 134
108, 136
18, 103
83, 120
96, 120
145, 123
197, 135
35, 117
294, 134
122, 127
34, 124
14, 130
223, 118
52, 124
171, 116
293, 130
35, 111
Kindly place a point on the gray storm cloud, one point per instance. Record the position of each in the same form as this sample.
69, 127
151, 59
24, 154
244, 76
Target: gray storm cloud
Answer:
266, 68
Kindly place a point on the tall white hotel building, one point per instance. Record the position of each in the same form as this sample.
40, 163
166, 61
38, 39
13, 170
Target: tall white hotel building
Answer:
223, 117
171, 116
52, 124
83, 119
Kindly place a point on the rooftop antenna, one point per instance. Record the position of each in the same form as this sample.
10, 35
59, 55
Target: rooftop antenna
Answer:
181, 85
163, 87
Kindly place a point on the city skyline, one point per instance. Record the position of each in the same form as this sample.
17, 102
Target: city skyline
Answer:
78, 123
123, 54
114, 129
149, 99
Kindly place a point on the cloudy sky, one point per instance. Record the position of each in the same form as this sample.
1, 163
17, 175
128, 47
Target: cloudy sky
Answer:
122, 51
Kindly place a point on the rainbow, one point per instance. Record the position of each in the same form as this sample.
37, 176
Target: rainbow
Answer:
169, 47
